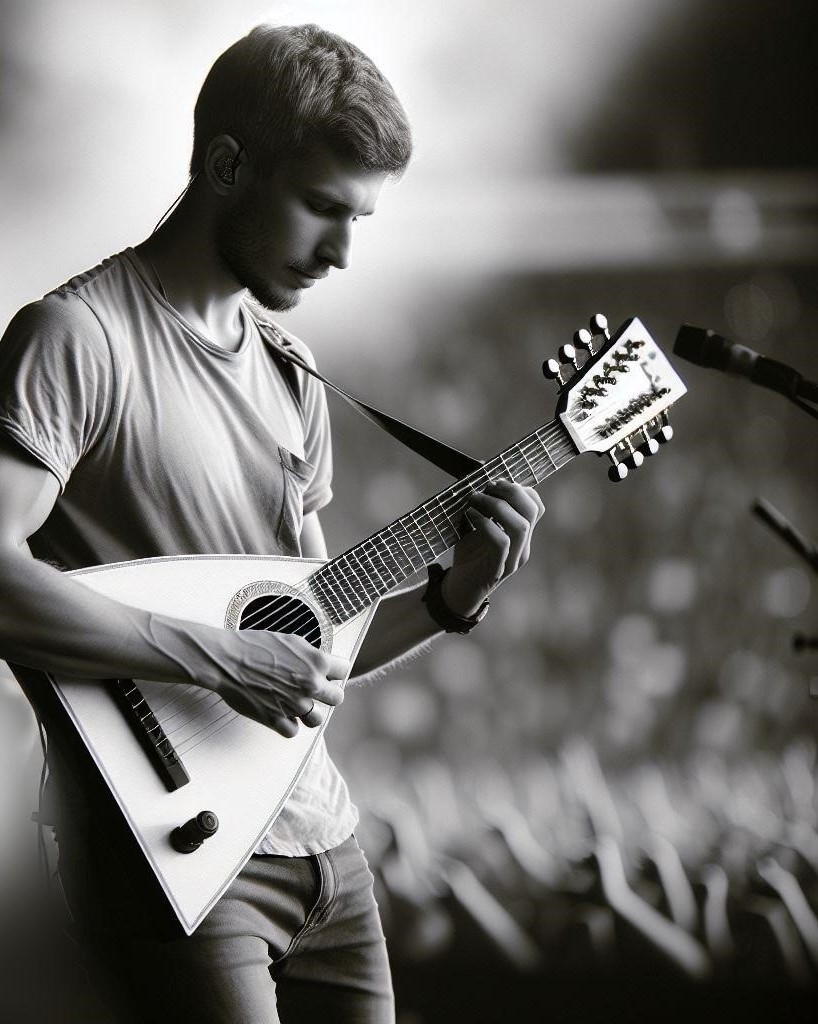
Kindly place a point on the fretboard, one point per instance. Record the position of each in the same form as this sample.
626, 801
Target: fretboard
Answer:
350, 583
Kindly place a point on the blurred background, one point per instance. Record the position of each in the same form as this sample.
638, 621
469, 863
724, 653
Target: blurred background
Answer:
603, 802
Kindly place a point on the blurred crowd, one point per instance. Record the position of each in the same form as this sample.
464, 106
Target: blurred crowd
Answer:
693, 871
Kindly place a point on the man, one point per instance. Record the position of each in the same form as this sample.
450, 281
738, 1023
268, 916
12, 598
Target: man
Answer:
142, 414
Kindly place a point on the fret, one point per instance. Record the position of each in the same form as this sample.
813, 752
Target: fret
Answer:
530, 467
362, 577
348, 584
435, 527
417, 532
508, 470
381, 557
401, 549
414, 545
324, 596
381, 561
335, 576
442, 508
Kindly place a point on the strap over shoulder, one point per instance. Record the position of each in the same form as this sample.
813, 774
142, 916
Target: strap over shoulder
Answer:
449, 459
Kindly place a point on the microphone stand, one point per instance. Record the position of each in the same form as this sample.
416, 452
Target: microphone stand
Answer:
783, 528
803, 405
788, 382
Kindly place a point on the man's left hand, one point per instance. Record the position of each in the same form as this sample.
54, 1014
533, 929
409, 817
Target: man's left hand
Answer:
503, 517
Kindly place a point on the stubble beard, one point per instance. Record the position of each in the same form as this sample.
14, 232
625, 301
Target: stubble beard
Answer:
241, 253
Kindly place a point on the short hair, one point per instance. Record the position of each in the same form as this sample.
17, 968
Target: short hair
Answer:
281, 89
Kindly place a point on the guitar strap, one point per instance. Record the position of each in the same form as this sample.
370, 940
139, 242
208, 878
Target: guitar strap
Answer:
449, 459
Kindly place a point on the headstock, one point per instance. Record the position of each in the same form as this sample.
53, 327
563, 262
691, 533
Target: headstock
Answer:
615, 392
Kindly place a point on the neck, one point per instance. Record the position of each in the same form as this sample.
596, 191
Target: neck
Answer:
183, 255
351, 582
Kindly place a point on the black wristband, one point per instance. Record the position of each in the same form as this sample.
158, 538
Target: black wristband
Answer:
442, 615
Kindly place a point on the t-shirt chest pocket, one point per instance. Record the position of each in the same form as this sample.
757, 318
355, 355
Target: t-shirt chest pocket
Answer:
295, 476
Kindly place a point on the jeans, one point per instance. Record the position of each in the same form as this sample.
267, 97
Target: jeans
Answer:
294, 939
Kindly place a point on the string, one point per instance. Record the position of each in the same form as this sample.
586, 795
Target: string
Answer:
452, 500
381, 553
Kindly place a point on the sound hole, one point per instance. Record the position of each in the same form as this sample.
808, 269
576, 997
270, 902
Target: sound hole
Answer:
282, 614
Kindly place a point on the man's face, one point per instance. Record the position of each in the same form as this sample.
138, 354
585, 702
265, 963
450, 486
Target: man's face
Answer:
286, 230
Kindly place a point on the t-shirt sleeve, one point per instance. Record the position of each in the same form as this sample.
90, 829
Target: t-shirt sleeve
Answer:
56, 381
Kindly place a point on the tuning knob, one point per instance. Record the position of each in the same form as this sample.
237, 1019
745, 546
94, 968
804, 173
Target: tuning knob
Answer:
634, 459
665, 434
568, 354
617, 470
552, 370
190, 836
650, 446
599, 325
585, 340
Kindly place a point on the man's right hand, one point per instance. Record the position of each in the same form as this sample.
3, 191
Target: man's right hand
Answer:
279, 678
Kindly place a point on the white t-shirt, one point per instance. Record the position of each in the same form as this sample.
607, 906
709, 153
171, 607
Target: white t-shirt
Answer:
166, 444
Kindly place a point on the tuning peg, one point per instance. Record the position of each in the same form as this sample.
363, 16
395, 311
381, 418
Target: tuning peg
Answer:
650, 446
568, 354
585, 340
634, 458
665, 434
618, 470
552, 370
599, 325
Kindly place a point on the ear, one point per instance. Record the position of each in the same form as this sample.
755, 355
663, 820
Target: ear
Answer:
222, 163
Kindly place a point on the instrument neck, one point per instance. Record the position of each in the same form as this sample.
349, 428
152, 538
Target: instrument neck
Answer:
350, 583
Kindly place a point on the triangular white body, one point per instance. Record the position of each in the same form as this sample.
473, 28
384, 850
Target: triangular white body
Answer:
242, 771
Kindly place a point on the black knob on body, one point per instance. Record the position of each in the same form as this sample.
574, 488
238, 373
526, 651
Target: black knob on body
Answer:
190, 836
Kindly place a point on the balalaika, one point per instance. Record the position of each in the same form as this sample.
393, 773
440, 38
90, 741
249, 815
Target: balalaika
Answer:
154, 757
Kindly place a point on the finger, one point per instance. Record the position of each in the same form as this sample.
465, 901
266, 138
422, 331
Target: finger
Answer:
325, 690
497, 547
512, 535
512, 522
300, 706
315, 716
524, 500
286, 727
337, 668
483, 522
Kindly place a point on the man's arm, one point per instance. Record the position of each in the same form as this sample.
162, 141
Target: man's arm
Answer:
50, 621
504, 517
